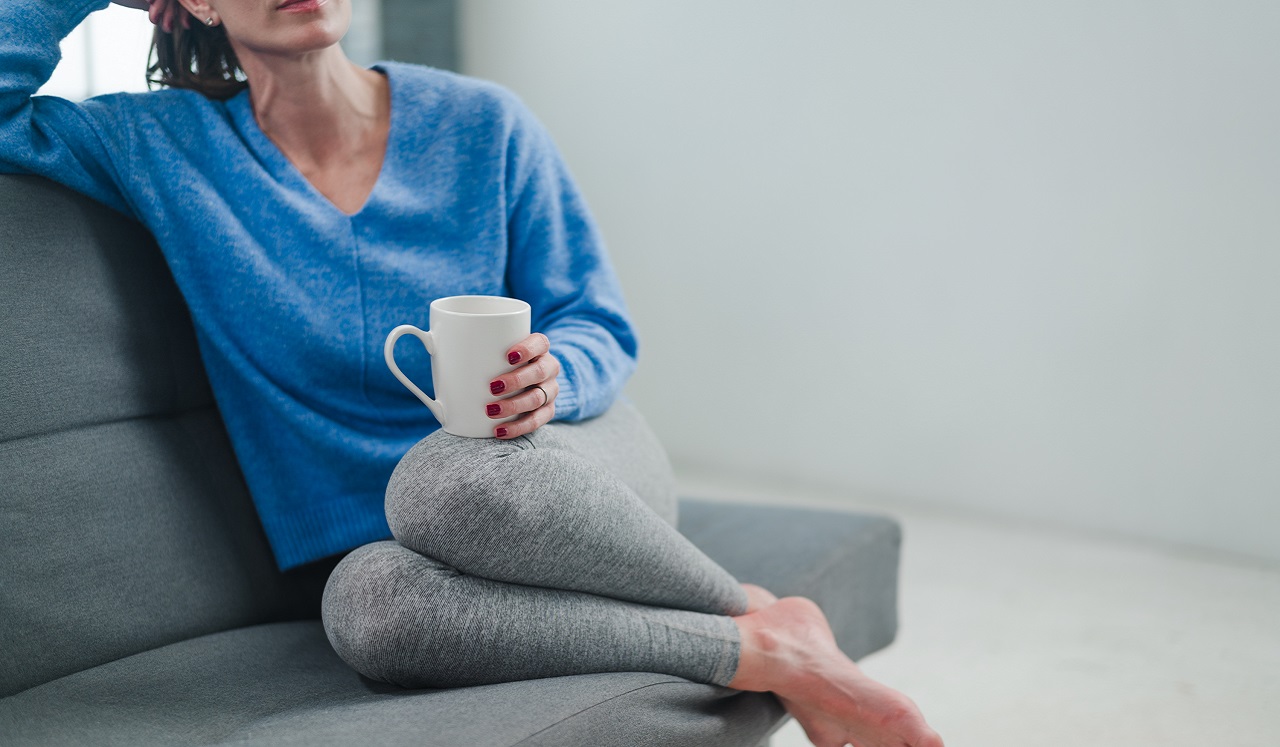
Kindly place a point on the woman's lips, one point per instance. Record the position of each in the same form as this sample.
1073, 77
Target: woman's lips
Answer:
301, 6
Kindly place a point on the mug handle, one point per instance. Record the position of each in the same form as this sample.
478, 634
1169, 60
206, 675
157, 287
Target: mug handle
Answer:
389, 352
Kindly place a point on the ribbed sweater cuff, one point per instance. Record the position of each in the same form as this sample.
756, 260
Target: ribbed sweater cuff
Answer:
64, 15
568, 402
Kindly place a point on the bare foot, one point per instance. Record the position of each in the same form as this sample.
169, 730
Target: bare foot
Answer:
788, 648
758, 597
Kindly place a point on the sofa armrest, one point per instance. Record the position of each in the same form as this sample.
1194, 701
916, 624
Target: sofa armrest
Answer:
846, 562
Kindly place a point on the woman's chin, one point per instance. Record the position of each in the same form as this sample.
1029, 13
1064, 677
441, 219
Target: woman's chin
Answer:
288, 32
311, 37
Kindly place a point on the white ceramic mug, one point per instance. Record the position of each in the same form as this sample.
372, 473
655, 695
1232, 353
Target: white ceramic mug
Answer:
468, 343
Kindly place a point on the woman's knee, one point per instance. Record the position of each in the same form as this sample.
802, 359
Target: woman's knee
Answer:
379, 606
445, 482
621, 442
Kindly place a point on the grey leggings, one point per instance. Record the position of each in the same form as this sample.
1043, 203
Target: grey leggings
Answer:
551, 554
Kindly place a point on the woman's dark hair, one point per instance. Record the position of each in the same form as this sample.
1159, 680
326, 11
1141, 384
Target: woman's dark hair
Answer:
199, 58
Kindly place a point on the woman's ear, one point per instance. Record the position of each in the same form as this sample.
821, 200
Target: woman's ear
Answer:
201, 10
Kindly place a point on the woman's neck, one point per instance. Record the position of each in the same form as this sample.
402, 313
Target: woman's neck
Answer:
318, 108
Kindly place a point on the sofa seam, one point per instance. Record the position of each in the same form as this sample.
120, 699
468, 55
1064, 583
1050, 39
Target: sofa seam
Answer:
837, 556
575, 714
192, 637
174, 415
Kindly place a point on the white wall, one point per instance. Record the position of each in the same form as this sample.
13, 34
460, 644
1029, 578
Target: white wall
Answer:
1019, 257
363, 42
105, 54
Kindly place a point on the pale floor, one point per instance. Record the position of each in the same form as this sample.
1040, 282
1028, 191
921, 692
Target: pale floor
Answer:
1018, 634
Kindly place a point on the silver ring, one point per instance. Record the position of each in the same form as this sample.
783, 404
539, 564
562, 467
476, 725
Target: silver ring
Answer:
545, 397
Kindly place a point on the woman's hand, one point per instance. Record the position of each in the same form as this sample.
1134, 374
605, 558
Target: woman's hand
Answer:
540, 369
162, 12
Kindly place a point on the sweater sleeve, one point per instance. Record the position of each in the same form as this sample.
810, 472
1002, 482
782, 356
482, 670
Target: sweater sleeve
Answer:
74, 144
558, 263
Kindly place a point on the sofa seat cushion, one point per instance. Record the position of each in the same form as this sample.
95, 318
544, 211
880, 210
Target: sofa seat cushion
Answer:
282, 684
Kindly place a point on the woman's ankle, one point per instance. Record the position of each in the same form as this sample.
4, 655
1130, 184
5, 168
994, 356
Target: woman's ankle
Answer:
784, 646
755, 667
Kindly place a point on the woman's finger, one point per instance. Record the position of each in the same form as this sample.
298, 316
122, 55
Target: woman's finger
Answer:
526, 401
527, 423
165, 13
529, 348
536, 371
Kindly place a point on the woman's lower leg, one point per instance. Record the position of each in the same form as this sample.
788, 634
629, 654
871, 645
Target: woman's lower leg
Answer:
397, 616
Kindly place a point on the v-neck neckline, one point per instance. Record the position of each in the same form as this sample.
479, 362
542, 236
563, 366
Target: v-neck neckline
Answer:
286, 171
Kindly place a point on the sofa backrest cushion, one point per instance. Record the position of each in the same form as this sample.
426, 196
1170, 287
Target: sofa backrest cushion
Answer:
125, 523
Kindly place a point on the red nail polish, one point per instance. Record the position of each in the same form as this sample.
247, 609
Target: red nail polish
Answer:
502, 432
493, 409
497, 387
513, 358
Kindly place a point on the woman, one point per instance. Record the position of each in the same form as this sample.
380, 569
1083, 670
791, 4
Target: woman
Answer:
306, 206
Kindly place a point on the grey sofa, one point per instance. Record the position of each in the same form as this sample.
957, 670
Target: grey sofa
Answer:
139, 603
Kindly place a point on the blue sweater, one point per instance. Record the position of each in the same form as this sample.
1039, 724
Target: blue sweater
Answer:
292, 299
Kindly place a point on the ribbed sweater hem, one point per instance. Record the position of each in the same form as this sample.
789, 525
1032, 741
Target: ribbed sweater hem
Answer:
313, 532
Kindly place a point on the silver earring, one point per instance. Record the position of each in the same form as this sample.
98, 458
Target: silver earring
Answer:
208, 21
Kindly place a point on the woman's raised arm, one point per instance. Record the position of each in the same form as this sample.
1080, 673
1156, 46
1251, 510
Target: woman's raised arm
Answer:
80, 145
